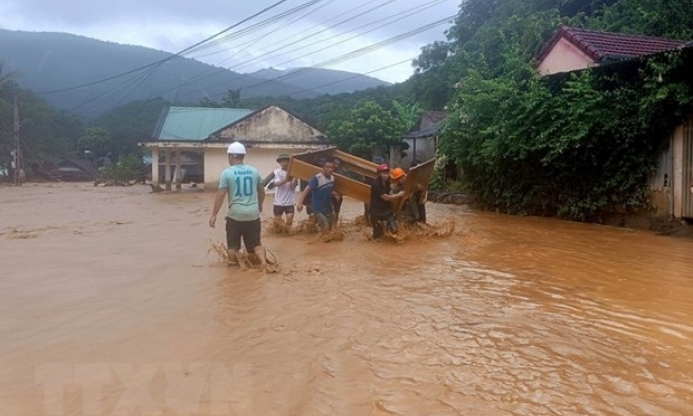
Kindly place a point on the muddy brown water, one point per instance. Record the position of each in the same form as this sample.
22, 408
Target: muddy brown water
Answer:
112, 304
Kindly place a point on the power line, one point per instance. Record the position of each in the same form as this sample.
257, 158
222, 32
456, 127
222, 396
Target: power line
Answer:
411, 12
133, 84
151, 68
169, 58
195, 79
250, 43
311, 35
353, 77
259, 25
358, 52
259, 38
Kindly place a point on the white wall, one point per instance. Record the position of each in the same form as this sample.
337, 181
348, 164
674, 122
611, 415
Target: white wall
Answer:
564, 57
425, 150
215, 161
264, 160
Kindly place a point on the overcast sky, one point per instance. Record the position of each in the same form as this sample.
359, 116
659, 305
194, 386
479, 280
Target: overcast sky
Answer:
293, 34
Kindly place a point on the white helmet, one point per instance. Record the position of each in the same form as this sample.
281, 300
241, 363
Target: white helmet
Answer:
236, 148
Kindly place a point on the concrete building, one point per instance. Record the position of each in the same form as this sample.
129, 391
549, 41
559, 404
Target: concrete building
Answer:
207, 132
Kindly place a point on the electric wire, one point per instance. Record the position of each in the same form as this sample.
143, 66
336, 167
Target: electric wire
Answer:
169, 58
264, 56
134, 84
356, 53
412, 12
311, 35
353, 77
264, 82
252, 42
151, 68
255, 27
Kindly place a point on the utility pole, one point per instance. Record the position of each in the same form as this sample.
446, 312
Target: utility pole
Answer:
17, 161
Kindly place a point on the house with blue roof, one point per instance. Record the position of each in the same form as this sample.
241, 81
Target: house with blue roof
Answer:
196, 138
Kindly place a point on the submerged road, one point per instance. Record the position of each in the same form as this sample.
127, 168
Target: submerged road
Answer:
112, 304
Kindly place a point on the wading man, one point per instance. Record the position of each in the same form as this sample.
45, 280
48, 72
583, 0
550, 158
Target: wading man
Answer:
284, 197
321, 188
381, 212
243, 186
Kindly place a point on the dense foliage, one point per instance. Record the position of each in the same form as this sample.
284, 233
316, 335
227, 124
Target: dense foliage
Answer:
45, 133
366, 129
575, 145
129, 125
128, 171
568, 145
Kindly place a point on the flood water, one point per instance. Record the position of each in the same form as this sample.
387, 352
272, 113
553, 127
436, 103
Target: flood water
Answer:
111, 303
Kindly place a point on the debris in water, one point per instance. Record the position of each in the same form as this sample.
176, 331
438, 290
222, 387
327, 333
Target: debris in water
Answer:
246, 261
308, 226
278, 226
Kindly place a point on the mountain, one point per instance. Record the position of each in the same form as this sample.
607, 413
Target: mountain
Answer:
89, 77
322, 81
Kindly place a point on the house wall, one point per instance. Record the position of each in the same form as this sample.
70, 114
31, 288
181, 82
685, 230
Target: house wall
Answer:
216, 160
683, 170
677, 148
273, 125
670, 185
660, 183
686, 184
425, 150
564, 57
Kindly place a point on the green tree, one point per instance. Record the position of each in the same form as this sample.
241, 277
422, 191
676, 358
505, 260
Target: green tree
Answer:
571, 145
45, 134
127, 171
97, 140
5, 77
130, 124
407, 114
366, 128
663, 18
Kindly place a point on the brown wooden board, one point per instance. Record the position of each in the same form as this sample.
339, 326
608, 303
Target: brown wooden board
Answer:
357, 165
305, 165
418, 175
313, 156
346, 186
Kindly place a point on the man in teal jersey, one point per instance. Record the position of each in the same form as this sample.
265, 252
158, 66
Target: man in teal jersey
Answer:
243, 185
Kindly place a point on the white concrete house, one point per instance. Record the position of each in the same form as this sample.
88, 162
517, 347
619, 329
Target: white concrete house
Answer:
207, 132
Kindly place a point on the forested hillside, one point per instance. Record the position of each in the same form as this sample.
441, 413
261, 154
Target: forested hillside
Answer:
53, 65
320, 81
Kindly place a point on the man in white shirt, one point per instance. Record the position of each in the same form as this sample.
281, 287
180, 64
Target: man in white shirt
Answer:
284, 197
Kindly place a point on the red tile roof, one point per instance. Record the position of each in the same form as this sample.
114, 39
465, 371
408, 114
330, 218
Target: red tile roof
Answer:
601, 46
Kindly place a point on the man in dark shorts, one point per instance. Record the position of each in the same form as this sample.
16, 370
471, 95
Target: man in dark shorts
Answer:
285, 191
380, 211
243, 185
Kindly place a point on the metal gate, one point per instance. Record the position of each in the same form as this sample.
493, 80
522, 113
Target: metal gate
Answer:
687, 179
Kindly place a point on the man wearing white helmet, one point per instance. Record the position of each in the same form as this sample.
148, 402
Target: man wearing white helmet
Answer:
243, 185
